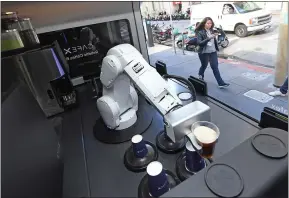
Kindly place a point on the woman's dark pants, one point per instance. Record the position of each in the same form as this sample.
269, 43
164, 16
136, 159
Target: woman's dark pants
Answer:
213, 59
284, 87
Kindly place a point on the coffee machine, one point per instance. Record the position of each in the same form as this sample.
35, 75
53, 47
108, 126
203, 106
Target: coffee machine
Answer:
43, 70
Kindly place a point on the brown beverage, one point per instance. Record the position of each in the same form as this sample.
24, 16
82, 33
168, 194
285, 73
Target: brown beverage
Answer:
206, 137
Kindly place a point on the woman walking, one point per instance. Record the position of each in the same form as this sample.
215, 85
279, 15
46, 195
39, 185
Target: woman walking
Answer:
208, 48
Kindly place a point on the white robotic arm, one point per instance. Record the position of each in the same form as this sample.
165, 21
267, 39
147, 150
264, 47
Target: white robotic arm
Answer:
126, 62
152, 85
110, 70
115, 61
119, 102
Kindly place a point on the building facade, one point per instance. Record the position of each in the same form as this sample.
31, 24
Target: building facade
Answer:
154, 7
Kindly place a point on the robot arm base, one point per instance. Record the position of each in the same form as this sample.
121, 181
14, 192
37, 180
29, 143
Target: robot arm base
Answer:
110, 113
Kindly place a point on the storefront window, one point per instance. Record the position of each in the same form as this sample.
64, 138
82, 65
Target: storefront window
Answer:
249, 63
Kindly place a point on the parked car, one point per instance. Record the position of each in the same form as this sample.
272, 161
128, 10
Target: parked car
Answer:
241, 17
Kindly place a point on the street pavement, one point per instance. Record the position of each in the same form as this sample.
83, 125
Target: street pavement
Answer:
260, 48
250, 83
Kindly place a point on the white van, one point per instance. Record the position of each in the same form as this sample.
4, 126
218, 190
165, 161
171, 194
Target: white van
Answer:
240, 17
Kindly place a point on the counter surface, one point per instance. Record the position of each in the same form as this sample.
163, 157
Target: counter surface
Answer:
96, 169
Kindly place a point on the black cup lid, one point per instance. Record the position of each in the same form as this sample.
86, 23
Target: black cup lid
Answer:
270, 145
223, 180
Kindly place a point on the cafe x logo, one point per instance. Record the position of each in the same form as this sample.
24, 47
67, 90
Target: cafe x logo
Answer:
76, 49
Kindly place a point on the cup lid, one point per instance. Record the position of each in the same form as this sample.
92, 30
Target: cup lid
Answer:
154, 168
136, 139
12, 30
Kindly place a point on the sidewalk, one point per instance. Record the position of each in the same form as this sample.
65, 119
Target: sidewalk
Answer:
259, 48
249, 83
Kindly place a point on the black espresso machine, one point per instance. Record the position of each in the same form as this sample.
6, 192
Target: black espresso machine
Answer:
44, 70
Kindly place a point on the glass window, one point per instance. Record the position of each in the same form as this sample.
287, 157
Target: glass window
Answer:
84, 47
247, 63
245, 7
228, 9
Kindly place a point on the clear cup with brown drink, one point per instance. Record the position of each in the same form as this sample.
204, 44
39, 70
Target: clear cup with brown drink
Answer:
206, 135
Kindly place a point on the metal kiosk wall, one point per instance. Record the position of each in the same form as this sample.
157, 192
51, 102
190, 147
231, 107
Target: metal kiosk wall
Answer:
50, 17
